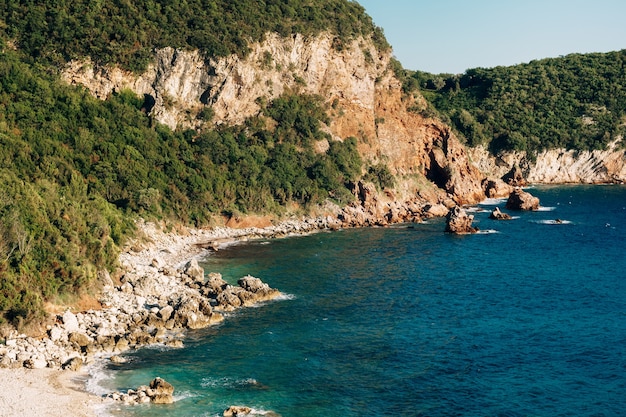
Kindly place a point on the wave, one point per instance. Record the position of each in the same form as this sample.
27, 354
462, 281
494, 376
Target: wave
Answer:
492, 201
231, 383
285, 297
552, 221
487, 232
97, 374
475, 209
253, 412
546, 208
183, 395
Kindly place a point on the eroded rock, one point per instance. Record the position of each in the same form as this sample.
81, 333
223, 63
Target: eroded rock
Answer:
459, 222
496, 214
522, 200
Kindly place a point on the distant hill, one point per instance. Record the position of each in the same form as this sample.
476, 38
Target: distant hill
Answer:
576, 102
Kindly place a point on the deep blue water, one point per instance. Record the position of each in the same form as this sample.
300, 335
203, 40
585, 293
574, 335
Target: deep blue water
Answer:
529, 320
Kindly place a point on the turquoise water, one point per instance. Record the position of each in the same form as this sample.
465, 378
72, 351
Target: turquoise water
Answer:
527, 319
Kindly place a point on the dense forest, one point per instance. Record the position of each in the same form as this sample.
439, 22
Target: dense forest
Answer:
576, 102
126, 32
76, 171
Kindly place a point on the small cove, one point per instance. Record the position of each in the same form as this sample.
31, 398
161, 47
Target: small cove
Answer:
527, 320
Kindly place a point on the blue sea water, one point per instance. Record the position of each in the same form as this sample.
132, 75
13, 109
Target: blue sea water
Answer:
525, 319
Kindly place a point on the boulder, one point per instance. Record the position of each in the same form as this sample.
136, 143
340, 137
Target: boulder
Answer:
459, 222
214, 285
118, 359
193, 312
237, 410
258, 290
194, 270
35, 363
166, 312
80, 339
252, 284
161, 391
56, 333
436, 210
496, 214
521, 200
229, 298
70, 322
496, 188
73, 364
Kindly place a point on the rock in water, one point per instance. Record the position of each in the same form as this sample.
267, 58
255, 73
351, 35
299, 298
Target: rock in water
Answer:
459, 222
161, 391
496, 214
521, 200
237, 410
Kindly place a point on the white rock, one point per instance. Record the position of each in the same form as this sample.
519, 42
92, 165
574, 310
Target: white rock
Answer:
70, 322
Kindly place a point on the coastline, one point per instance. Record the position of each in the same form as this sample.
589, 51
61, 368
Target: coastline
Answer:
50, 389
153, 267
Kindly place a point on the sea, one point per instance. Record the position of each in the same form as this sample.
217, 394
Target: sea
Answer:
525, 318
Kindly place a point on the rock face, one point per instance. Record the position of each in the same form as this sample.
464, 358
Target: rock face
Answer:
496, 214
459, 222
556, 166
364, 98
496, 188
521, 200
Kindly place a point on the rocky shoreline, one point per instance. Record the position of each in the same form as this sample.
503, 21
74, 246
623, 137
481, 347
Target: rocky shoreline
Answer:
160, 291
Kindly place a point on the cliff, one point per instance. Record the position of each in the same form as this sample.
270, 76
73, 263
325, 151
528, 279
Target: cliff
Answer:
558, 166
363, 97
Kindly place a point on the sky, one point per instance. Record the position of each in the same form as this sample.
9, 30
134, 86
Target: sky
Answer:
451, 36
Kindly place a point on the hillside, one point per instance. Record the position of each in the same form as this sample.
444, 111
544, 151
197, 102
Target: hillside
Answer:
152, 112
126, 33
573, 102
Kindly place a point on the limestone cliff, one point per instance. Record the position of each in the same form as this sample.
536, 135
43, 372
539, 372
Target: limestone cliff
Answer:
364, 100
558, 166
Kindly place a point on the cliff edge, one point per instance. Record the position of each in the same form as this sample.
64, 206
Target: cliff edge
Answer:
363, 97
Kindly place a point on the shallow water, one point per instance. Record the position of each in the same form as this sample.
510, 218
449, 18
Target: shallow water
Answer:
528, 319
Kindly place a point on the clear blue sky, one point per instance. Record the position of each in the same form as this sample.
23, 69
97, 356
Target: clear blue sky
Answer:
450, 36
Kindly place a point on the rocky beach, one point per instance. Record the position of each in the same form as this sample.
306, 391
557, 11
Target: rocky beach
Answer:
161, 292
158, 292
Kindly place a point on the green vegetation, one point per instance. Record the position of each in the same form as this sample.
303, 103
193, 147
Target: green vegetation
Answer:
126, 32
75, 171
575, 102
